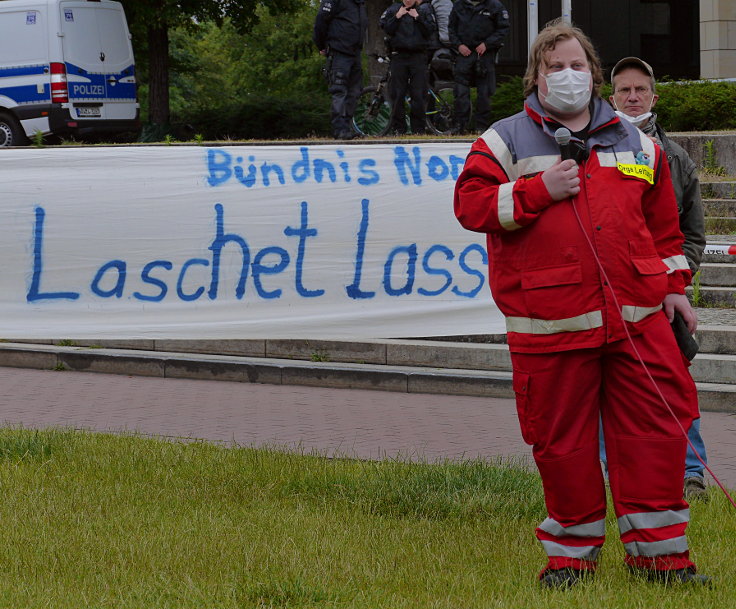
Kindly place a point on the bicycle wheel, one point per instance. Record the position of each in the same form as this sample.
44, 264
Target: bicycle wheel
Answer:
441, 110
372, 113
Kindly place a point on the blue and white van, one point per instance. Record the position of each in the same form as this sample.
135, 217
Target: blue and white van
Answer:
66, 68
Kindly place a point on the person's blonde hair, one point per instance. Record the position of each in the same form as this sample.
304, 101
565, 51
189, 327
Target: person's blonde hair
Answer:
547, 40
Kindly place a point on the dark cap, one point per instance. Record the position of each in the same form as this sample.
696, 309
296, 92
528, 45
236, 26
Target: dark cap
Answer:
632, 62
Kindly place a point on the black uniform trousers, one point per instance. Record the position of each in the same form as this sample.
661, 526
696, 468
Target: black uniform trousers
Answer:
345, 78
409, 76
481, 70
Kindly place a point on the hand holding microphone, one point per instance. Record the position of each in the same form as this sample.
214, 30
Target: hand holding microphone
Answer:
562, 179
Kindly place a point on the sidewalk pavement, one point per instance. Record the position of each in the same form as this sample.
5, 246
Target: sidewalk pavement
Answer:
335, 422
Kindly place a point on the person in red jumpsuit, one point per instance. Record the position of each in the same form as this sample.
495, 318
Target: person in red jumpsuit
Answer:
586, 264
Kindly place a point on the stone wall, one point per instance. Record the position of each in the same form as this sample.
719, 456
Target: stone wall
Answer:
710, 150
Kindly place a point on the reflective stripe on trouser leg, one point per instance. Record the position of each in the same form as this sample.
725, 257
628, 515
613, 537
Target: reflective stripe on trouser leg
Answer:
643, 528
656, 540
562, 544
646, 447
557, 402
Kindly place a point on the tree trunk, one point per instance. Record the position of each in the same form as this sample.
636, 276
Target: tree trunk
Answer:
158, 77
374, 42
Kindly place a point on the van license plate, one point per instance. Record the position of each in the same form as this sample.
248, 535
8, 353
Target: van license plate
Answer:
88, 111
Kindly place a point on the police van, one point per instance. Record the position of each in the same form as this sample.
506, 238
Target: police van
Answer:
66, 68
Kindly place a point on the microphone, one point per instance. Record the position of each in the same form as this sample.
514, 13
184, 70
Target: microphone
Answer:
562, 137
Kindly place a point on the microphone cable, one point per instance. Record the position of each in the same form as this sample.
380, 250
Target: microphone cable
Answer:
638, 355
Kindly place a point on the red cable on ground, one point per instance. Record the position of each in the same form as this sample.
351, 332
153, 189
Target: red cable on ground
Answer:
641, 360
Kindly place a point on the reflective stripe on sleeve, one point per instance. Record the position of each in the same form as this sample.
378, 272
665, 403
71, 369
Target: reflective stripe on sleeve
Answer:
501, 151
529, 325
635, 314
652, 520
589, 529
676, 263
676, 545
536, 164
553, 548
525, 166
506, 206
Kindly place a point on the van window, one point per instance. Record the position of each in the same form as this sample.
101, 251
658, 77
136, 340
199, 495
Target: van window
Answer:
95, 37
23, 38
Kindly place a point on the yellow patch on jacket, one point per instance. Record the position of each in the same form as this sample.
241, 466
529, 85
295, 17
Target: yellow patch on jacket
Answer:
637, 171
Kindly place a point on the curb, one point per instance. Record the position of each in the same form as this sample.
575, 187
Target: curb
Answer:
273, 371
714, 397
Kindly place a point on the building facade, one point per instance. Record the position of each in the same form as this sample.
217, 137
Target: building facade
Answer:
681, 39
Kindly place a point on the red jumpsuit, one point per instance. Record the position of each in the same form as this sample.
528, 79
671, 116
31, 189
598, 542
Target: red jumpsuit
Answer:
567, 316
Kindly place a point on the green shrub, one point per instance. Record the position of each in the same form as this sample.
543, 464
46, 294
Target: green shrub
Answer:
258, 117
508, 99
697, 105
693, 105
683, 106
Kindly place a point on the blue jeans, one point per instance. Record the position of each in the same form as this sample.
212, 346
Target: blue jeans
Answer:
693, 466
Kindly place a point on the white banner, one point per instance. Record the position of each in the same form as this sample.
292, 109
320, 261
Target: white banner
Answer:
323, 241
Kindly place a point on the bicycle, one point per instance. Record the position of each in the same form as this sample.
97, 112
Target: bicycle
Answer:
373, 111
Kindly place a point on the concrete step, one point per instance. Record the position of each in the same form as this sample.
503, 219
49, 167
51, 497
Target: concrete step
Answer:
405, 366
717, 339
720, 258
720, 248
384, 352
274, 371
713, 397
718, 274
713, 296
719, 207
719, 225
725, 189
714, 368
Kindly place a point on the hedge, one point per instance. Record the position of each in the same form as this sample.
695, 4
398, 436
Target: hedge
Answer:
682, 106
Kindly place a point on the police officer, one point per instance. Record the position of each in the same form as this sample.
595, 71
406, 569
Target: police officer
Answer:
339, 32
477, 29
410, 27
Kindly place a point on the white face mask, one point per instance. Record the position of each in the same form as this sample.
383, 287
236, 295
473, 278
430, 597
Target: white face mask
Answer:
637, 121
568, 91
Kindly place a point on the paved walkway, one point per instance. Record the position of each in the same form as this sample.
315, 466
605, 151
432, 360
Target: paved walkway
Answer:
344, 422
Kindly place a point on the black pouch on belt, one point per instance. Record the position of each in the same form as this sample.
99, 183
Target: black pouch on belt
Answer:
688, 345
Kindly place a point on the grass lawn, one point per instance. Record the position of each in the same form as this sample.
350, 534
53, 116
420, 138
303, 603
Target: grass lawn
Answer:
94, 520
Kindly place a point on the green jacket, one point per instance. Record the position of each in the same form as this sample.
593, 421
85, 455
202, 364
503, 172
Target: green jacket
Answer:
687, 192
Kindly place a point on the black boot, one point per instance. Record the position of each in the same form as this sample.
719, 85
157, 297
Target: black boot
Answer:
561, 579
673, 576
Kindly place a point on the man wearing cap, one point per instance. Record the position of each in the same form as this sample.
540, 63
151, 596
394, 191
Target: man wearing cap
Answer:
634, 96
